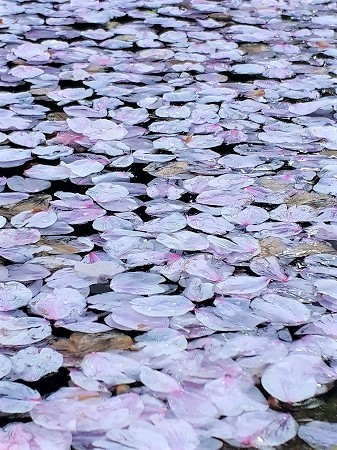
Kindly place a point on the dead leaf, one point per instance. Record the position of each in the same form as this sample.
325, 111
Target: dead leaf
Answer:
59, 247
306, 249
254, 93
57, 116
253, 49
187, 138
92, 68
311, 199
122, 389
271, 246
34, 203
111, 25
80, 344
167, 170
331, 153
270, 183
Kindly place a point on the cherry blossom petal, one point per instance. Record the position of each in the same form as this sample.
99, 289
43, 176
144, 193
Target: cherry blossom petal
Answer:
162, 305
17, 398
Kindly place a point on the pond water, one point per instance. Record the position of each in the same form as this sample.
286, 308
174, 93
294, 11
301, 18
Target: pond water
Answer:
168, 224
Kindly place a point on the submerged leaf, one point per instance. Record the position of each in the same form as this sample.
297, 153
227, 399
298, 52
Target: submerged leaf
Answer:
81, 343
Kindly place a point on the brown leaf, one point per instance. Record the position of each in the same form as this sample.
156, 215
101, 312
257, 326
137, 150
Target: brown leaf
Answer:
58, 116
311, 199
111, 25
307, 249
253, 49
273, 185
34, 203
122, 389
220, 16
271, 246
80, 344
332, 153
254, 93
92, 68
167, 170
187, 138
59, 247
